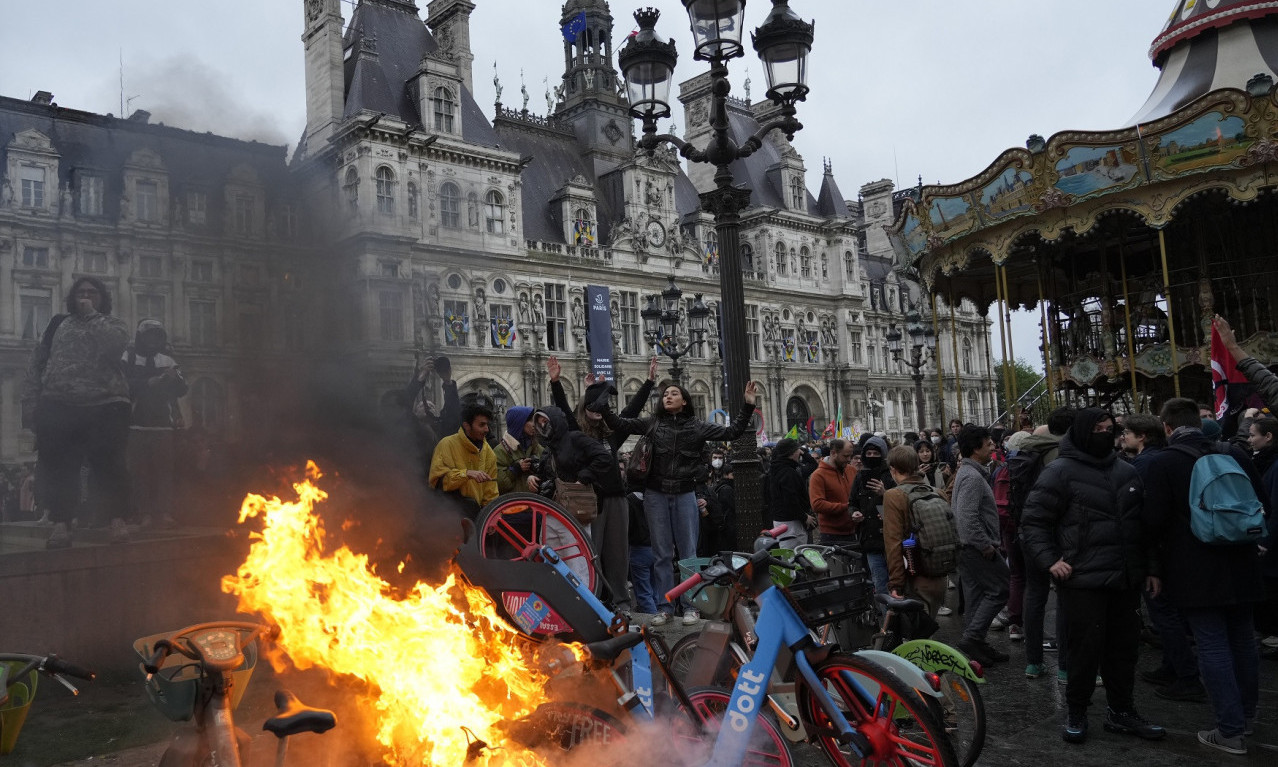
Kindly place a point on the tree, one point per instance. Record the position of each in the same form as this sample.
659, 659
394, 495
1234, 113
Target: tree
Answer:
1031, 391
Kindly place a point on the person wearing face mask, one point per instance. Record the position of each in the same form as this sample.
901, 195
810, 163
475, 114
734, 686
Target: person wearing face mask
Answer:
872, 481
1083, 523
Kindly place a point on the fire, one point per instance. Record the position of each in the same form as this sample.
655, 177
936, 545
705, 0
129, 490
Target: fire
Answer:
433, 661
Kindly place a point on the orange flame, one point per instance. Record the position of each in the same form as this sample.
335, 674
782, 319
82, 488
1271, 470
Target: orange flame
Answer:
435, 660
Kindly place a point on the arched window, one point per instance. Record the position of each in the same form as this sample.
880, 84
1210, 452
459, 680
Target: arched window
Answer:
208, 405
413, 202
967, 356
450, 205
444, 108
782, 259
494, 212
351, 187
973, 407
710, 248
796, 193
805, 261
583, 228
747, 258
385, 191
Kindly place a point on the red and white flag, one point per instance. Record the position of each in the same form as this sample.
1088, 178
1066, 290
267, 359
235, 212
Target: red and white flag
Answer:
1224, 371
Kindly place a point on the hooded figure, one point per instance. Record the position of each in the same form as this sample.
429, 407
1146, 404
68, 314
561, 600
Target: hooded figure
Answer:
865, 499
156, 385
519, 453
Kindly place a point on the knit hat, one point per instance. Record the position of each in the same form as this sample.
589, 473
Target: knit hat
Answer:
1211, 428
786, 448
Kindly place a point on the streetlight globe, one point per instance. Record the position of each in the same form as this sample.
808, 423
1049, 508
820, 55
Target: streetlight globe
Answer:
717, 27
647, 63
783, 43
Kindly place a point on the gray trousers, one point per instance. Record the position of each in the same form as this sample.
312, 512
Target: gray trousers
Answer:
985, 586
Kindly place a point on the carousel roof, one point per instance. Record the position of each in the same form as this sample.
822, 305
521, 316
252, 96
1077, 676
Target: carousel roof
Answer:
1207, 45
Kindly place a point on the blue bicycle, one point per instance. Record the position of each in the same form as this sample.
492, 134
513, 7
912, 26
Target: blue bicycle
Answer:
855, 708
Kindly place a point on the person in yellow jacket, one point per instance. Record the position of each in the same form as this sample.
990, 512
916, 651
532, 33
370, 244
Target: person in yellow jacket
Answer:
464, 465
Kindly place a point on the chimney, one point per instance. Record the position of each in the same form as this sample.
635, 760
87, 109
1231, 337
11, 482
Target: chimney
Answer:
140, 116
42, 97
449, 22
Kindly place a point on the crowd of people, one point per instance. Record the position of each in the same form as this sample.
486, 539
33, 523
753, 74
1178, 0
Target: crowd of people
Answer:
1108, 513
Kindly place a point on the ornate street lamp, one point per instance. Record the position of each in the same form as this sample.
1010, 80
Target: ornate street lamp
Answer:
661, 326
922, 349
647, 63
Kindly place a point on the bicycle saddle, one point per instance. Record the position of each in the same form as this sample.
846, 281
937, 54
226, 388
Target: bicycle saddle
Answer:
900, 605
609, 649
295, 716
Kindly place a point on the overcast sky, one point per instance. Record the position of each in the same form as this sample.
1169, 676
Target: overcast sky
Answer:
900, 88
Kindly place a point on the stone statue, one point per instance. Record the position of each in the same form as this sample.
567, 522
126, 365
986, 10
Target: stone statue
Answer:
481, 310
539, 311
432, 300
523, 89
525, 315
550, 99
578, 314
496, 83
746, 85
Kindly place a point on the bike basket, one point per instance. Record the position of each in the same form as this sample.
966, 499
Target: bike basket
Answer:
782, 576
176, 687
709, 599
14, 712
830, 599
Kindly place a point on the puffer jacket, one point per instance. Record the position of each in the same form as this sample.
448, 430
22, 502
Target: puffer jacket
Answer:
578, 457
1087, 510
677, 442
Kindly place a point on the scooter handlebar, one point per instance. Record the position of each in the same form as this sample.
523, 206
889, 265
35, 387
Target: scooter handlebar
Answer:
55, 665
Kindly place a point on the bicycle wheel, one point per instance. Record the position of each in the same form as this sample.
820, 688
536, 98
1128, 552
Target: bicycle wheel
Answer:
683, 654
894, 718
767, 748
515, 525
964, 711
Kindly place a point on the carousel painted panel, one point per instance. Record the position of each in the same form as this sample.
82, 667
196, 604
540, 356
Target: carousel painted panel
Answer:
1210, 141
912, 235
1008, 195
951, 217
1087, 171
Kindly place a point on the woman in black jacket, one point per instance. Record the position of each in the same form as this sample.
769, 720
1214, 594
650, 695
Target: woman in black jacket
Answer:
677, 438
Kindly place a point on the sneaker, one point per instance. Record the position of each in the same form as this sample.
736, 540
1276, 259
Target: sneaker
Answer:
1075, 730
1160, 677
975, 651
44, 520
1219, 742
1015, 633
119, 531
60, 538
690, 617
943, 611
950, 583
1131, 723
660, 619
1033, 671
1270, 642
1190, 690
998, 655
1049, 645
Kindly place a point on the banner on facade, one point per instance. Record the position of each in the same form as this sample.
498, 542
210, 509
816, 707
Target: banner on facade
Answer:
599, 331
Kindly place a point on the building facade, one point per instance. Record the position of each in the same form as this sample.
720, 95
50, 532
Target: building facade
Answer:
410, 223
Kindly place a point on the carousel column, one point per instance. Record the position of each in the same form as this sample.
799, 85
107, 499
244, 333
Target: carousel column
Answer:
958, 380
940, 373
1011, 352
1047, 347
1127, 317
1006, 368
1171, 322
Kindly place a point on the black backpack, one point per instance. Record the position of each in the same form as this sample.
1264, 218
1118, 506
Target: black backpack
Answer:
1023, 469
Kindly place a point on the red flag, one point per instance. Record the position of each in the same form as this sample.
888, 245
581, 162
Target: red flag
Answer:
1224, 371
829, 430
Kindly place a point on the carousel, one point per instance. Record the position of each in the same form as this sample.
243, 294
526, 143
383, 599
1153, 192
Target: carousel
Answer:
1126, 242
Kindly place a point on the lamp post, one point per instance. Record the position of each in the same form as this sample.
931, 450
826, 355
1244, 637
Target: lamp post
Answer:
661, 325
922, 349
647, 63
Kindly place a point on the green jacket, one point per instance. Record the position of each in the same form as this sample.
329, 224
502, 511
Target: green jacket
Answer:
510, 478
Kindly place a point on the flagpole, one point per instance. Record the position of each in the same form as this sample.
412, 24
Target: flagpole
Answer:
1171, 323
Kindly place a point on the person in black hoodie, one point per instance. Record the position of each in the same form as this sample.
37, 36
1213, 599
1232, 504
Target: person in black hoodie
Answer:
789, 488
677, 438
1083, 523
872, 481
1216, 587
574, 456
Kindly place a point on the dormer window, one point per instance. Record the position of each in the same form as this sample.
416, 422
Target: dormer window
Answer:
797, 196
32, 186
583, 228
148, 201
444, 106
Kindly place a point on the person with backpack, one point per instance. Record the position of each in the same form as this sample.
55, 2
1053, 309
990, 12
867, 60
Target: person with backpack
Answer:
914, 509
1083, 523
1214, 583
76, 397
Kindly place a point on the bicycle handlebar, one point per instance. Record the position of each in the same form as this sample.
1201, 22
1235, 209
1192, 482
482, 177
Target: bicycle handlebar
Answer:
55, 665
673, 594
775, 532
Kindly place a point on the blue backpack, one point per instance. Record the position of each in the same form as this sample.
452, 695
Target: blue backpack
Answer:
1223, 507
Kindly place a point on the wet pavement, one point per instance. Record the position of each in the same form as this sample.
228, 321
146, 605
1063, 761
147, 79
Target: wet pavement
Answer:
112, 723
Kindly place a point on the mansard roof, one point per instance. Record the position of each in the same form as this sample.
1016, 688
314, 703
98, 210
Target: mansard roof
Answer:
830, 202
385, 44
759, 170
105, 144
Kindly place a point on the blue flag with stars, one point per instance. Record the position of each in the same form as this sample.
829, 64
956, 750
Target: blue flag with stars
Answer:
575, 26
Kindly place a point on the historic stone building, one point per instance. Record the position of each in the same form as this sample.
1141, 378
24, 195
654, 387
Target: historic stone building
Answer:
409, 223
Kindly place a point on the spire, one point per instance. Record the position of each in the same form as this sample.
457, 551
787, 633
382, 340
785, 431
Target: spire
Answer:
830, 202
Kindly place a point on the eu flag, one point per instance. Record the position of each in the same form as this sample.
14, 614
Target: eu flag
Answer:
575, 26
